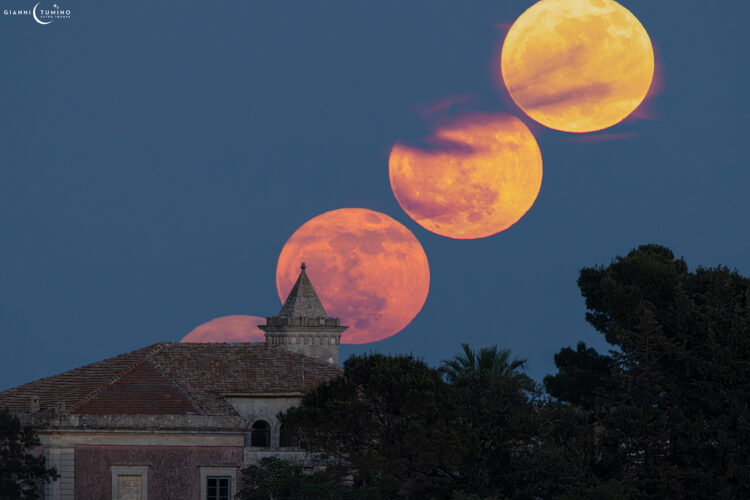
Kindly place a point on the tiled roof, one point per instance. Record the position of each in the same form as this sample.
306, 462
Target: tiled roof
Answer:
173, 378
302, 301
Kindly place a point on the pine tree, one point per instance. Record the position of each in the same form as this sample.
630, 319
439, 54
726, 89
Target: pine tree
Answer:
21, 472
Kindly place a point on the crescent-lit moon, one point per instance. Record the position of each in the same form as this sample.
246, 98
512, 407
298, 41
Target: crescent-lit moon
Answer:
577, 65
367, 269
36, 18
480, 175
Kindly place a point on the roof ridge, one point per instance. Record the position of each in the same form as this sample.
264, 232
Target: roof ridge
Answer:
175, 384
109, 383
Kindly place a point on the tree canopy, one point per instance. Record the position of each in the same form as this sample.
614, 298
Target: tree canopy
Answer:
519, 446
390, 418
675, 391
664, 414
583, 376
398, 427
21, 472
273, 478
485, 364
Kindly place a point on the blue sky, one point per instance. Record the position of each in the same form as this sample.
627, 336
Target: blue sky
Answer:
154, 158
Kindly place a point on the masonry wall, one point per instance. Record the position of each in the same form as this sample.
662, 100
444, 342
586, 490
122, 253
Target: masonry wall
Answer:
173, 471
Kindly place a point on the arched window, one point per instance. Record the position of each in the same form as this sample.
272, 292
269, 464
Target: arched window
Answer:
260, 436
286, 439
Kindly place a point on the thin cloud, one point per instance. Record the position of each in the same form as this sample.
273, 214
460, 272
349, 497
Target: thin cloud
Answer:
594, 138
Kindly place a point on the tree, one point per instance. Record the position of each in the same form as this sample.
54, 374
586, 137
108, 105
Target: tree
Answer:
583, 377
675, 417
273, 478
487, 363
393, 424
20, 471
389, 420
522, 446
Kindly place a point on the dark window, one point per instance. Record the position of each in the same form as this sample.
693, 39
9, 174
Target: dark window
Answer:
260, 435
286, 440
217, 488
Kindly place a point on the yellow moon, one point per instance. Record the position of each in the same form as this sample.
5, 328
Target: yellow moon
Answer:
577, 65
481, 176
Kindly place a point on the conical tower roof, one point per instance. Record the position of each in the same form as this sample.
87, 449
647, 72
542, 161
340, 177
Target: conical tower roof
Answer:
302, 301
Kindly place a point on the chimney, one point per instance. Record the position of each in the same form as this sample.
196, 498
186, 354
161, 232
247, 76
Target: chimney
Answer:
33, 404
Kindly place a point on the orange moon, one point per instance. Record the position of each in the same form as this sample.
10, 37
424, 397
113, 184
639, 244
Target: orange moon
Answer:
366, 268
482, 176
236, 328
577, 65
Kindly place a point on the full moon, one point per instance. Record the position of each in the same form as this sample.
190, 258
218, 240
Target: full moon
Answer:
577, 65
367, 269
480, 178
236, 328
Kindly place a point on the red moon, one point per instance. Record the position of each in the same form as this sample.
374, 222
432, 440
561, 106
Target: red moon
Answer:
367, 269
237, 328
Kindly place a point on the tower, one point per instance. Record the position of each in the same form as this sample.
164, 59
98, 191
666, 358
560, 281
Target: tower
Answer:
303, 326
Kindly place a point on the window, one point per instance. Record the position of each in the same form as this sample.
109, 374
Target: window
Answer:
217, 487
218, 483
129, 482
286, 439
260, 436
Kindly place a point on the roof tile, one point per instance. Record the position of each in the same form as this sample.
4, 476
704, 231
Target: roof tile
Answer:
174, 378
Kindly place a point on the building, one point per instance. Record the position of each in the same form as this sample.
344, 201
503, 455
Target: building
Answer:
178, 421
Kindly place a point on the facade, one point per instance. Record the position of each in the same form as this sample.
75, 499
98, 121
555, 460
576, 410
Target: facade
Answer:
178, 421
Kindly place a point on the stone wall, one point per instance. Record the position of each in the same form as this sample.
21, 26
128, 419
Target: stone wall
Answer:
320, 345
173, 472
135, 422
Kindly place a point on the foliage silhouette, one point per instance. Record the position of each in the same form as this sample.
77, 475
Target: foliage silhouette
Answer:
486, 363
663, 415
21, 472
390, 420
672, 403
273, 478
